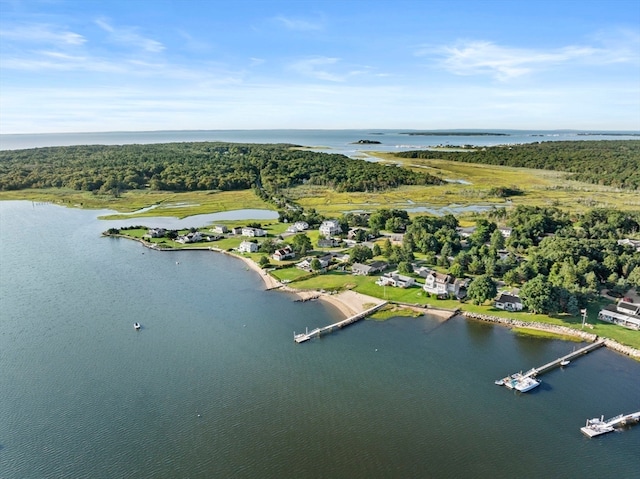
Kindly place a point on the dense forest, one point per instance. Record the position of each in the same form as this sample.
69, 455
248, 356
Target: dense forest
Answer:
195, 166
613, 163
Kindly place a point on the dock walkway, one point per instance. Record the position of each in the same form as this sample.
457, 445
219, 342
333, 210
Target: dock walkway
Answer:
568, 357
307, 335
524, 382
597, 426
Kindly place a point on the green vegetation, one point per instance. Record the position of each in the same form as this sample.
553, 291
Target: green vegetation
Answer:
561, 251
612, 163
202, 166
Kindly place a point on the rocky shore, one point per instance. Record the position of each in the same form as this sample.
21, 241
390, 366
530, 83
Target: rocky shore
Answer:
552, 328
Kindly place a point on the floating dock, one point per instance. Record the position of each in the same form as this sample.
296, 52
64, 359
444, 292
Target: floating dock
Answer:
307, 335
598, 426
533, 372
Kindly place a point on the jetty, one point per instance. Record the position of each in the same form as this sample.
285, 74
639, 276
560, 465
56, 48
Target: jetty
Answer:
527, 378
307, 335
596, 426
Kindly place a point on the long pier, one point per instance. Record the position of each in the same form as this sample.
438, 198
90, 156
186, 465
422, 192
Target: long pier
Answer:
526, 381
307, 335
568, 357
597, 426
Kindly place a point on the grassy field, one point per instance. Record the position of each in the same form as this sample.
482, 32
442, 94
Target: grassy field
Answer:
470, 186
179, 205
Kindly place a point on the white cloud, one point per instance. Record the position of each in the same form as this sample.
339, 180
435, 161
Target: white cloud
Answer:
43, 33
129, 37
505, 63
299, 24
326, 68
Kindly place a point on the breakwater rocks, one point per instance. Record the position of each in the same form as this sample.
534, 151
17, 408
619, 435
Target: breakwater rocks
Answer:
552, 328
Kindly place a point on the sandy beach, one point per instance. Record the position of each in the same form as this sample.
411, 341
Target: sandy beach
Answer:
348, 302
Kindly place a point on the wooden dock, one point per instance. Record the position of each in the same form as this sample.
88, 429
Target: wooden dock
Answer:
568, 357
533, 372
307, 335
597, 426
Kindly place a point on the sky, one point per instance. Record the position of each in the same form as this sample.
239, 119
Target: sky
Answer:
141, 65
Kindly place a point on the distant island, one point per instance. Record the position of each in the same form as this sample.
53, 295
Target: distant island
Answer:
366, 142
453, 133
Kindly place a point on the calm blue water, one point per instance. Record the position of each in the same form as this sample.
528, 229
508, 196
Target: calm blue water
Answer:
340, 141
213, 386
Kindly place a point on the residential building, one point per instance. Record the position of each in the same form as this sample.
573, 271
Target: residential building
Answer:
248, 247
253, 232
396, 280
219, 229
509, 302
624, 313
283, 254
329, 228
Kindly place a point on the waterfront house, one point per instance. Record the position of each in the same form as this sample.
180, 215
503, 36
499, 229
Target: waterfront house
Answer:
367, 269
396, 280
220, 229
329, 228
156, 233
283, 253
248, 247
192, 237
442, 284
236, 230
439, 283
624, 313
360, 269
509, 302
253, 232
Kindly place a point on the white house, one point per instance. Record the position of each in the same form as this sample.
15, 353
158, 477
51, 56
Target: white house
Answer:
396, 280
329, 228
156, 232
248, 247
509, 302
624, 313
253, 232
443, 284
283, 253
190, 238
220, 229
439, 283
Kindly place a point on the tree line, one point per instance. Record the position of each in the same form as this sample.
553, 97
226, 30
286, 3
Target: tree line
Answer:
195, 166
613, 162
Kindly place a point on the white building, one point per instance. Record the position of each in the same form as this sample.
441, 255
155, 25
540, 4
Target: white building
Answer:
253, 232
329, 228
625, 314
248, 247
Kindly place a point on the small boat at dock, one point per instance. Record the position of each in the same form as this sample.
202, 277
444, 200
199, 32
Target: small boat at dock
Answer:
564, 362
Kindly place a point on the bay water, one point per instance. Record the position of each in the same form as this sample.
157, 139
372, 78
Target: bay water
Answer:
213, 385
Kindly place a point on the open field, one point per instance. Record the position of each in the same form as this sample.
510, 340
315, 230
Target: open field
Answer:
165, 203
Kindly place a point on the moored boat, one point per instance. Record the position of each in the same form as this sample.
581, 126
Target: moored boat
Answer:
136, 326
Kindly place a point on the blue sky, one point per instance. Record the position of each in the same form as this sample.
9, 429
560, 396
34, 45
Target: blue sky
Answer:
109, 65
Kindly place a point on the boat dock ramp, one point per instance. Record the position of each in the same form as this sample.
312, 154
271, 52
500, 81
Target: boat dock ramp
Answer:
307, 335
597, 426
526, 378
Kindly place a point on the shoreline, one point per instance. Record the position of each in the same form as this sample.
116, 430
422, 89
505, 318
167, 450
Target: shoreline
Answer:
350, 303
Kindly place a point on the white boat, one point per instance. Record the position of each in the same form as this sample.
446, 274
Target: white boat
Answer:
564, 362
520, 382
526, 384
136, 326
